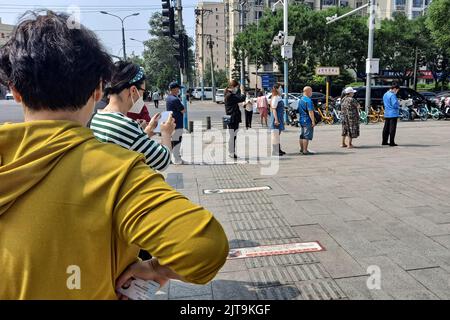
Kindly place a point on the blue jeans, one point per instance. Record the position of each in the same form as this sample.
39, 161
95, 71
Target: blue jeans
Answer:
307, 132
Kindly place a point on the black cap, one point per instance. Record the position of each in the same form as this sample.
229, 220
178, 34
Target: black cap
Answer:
174, 85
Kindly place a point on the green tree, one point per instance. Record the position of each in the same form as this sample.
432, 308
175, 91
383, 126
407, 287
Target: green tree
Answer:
341, 44
438, 24
220, 77
160, 63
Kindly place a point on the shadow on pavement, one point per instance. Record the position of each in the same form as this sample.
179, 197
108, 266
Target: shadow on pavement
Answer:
241, 290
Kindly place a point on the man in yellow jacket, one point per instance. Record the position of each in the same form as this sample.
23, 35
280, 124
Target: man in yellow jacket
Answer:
74, 212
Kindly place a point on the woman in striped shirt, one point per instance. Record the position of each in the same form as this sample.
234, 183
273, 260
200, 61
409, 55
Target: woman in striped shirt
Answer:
111, 125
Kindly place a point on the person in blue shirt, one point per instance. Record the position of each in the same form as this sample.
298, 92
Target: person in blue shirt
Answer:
173, 103
307, 120
391, 114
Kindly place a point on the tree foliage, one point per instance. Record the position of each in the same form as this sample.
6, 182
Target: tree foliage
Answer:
344, 43
160, 63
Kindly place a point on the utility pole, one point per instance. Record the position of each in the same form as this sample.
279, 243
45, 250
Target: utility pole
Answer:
241, 29
286, 61
370, 57
213, 82
202, 13
415, 70
183, 65
122, 20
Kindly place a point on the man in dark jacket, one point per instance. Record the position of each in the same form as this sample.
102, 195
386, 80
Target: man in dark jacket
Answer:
232, 100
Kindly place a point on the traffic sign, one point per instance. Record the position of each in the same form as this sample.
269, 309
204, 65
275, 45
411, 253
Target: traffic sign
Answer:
328, 71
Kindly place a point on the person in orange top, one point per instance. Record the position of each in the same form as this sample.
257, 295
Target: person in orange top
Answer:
74, 212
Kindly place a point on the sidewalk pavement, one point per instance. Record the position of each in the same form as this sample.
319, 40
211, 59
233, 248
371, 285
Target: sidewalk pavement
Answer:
370, 207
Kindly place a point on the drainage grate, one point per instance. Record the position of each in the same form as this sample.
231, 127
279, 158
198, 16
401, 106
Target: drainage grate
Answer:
264, 234
236, 190
270, 277
320, 290
259, 224
289, 292
306, 272
276, 261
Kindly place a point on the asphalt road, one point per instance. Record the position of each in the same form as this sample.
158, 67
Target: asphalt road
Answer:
12, 112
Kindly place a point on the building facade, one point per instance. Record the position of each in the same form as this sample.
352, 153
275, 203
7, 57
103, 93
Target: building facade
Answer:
5, 32
211, 27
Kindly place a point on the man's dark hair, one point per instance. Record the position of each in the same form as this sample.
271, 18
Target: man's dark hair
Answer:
394, 85
122, 75
53, 66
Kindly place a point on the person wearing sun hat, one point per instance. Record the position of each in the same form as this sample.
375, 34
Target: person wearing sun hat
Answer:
350, 117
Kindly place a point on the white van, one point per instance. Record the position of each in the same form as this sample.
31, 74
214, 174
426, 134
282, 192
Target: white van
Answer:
197, 94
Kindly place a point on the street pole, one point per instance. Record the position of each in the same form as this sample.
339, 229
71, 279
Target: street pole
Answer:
415, 70
182, 67
202, 79
122, 20
213, 81
370, 56
241, 29
123, 43
286, 61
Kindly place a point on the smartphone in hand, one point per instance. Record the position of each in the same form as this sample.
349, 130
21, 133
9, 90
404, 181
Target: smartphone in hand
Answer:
164, 117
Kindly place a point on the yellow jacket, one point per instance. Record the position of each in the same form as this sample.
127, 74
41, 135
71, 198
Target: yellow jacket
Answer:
69, 202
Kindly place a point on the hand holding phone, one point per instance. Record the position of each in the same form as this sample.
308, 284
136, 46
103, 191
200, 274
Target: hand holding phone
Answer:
164, 117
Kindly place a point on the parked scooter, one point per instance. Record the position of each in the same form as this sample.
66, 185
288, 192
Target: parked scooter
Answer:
410, 111
336, 110
292, 116
445, 107
434, 113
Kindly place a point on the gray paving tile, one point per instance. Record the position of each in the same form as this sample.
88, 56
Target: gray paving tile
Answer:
289, 210
443, 240
367, 229
196, 298
233, 286
405, 254
427, 227
339, 263
180, 289
436, 280
355, 288
234, 265
396, 282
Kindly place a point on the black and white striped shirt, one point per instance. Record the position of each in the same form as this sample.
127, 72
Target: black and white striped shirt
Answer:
115, 127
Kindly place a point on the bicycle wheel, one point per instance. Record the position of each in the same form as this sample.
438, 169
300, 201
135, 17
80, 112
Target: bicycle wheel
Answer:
363, 116
423, 114
435, 114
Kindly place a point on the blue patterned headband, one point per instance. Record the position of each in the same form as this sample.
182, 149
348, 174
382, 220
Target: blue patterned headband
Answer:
138, 76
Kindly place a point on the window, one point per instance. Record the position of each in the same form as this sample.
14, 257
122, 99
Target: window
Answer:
417, 4
416, 14
217, 17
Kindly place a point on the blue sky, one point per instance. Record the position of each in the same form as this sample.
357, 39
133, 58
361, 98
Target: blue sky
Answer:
108, 28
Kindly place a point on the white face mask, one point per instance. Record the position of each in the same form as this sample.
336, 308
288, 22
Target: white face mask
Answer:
138, 105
